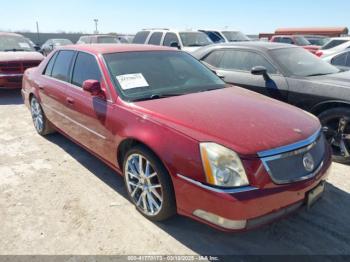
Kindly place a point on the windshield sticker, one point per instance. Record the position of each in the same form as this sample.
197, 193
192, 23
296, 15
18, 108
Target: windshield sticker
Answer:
130, 81
24, 45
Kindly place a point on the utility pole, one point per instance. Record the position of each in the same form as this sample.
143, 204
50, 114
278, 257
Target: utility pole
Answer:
37, 32
96, 23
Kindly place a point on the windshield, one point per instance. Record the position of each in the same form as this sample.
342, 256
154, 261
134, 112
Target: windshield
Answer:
318, 41
301, 41
195, 39
62, 42
144, 75
334, 43
108, 40
233, 36
299, 62
15, 43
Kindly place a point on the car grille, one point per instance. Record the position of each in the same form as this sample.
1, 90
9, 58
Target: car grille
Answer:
293, 166
17, 67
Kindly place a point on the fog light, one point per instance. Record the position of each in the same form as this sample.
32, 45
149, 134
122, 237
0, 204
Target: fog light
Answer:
220, 221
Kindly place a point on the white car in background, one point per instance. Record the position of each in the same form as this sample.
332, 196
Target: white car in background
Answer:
225, 36
333, 46
340, 59
185, 40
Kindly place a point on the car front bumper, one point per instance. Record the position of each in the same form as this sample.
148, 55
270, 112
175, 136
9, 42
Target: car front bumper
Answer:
243, 208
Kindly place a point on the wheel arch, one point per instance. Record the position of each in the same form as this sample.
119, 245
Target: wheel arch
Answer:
323, 106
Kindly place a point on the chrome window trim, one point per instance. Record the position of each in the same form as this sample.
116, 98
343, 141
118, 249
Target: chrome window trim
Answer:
292, 147
218, 190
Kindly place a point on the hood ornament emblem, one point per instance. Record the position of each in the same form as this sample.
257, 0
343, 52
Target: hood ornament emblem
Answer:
308, 162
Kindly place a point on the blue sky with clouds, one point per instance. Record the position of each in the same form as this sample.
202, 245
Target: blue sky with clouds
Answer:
129, 16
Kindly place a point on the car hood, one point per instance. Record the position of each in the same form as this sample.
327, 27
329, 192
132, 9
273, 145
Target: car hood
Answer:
20, 56
234, 117
339, 79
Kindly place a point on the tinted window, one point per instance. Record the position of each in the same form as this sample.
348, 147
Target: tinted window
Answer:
62, 64
170, 38
107, 40
140, 37
195, 39
233, 36
49, 66
155, 38
214, 58
214, 36
244, 61
285, 40
85, 68
348, 60
333, 43
340, 60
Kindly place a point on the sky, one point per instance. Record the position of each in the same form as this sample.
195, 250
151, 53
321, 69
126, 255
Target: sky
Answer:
129, 16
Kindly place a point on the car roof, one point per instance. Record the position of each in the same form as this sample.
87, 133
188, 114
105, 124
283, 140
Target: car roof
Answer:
115, 48
251, 45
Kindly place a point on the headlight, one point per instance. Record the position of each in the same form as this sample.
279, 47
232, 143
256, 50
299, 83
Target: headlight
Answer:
222, 166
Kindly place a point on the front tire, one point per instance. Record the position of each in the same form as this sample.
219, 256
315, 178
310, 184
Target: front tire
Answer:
41, 123
336, 126
148, 184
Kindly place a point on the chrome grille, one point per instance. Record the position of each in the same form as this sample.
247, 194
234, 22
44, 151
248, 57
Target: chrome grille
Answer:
289, 166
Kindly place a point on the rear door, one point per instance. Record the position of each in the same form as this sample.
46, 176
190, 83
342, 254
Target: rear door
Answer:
234, 67
52, 86
87, 114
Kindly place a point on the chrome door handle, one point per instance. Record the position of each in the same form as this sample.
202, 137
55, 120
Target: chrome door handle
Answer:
70, 100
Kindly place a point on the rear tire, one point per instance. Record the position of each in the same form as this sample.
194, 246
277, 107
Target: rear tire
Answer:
150, 189
336, 125
42, 125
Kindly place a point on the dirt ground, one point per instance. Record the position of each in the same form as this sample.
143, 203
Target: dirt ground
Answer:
56, 198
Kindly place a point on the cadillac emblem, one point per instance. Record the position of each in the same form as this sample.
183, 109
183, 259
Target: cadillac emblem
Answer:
309, 163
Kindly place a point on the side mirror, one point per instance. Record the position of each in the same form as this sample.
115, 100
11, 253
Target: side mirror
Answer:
37, 48
175, 45
259, 71
94, 88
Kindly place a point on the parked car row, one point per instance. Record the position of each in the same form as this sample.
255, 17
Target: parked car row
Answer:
252, 158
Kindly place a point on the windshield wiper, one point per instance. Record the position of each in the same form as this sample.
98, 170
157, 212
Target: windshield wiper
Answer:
13, 50
158, 96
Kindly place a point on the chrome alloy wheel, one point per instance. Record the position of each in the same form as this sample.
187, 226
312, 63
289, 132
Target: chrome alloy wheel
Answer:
143, 184
37, 115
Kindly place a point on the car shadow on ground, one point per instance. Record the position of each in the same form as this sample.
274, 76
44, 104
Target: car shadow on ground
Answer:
325, 229
11, 97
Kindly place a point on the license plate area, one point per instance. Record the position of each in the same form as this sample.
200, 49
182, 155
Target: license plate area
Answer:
313, 195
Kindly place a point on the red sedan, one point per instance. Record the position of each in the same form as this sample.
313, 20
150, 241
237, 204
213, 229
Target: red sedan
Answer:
184, 141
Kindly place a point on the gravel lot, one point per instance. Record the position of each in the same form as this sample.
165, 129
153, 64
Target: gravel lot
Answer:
56, 198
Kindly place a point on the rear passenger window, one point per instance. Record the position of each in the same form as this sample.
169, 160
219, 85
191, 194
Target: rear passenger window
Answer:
170, 38
214, 58
62, 65
140, 37
85, 68
340, 60
49, 66
155, 38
